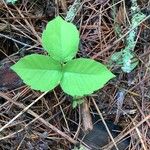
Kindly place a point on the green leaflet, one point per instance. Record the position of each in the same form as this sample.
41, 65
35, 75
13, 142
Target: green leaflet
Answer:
38, 71
60, 39
84, 76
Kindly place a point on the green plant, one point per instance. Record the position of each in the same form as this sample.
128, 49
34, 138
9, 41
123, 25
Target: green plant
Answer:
77, 77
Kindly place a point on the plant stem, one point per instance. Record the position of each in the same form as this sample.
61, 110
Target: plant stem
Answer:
86, 116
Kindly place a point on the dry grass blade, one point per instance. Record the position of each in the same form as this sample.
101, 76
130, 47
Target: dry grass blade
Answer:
24, 110
36, 117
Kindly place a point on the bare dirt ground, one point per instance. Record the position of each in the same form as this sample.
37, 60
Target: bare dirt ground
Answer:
33, 120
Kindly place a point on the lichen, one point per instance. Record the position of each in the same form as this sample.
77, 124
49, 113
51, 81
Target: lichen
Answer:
11, 1
73, 11
127, 56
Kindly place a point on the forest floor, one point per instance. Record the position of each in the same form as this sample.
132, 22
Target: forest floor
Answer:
33, 120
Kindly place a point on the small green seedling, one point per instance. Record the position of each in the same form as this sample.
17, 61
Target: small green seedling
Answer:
77, 77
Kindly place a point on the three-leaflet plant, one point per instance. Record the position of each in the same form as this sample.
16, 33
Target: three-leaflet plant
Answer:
77, 77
